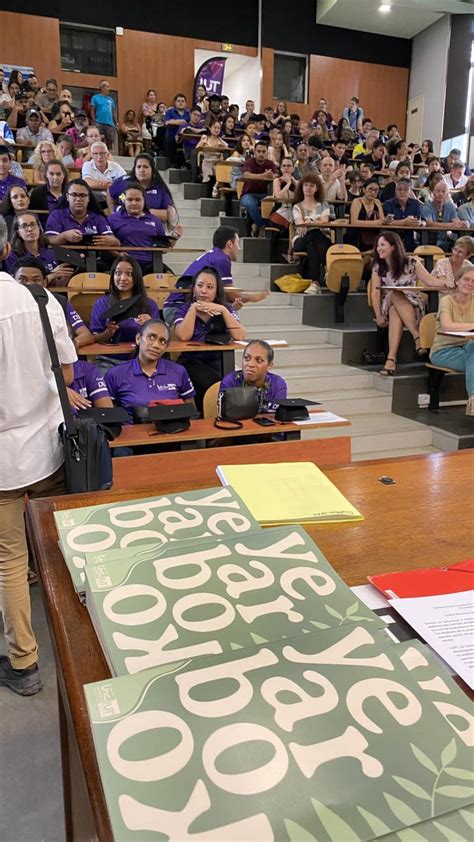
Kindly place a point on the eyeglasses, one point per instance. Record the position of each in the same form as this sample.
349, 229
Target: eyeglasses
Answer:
78, 195
67, 114
25, 225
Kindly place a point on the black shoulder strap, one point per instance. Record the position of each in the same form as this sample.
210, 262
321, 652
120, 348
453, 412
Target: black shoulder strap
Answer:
41, 297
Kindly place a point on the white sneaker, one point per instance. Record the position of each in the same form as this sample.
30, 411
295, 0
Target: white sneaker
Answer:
470, 406
313, 289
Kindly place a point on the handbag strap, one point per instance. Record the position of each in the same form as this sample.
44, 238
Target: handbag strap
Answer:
227, 424
41, 297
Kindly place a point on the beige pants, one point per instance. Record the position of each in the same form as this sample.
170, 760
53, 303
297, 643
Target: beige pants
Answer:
15, 606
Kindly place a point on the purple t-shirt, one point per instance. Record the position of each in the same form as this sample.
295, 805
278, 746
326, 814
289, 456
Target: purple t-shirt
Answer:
136, 231
10, 181
129, 386
270, 394
88, 381
73, 318
216, 259
201, 328
63, 220
156, 197
46, 254
128, 328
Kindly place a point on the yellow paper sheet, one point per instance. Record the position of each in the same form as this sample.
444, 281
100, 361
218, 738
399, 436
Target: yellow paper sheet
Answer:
288, 492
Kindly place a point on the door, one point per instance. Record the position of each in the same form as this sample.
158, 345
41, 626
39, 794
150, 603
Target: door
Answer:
414, 132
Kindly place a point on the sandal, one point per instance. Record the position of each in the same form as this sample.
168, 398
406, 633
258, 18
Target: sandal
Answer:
389, 372
420, 352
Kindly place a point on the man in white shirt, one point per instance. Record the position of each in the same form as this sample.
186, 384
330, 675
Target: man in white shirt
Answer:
456, 179
101, 171
32, 457
34, 132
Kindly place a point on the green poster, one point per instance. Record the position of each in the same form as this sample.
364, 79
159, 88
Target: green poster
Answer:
327, 736
210, 512
212, 597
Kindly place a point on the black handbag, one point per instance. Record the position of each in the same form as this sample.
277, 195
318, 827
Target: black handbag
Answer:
218, 333
87, 458
239, 402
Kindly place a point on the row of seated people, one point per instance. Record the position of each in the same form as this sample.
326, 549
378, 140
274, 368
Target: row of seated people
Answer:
148, 376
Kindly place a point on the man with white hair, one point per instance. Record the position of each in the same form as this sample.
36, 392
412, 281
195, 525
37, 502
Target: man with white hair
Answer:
101, 170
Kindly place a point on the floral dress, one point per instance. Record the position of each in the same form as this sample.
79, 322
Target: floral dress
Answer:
407, 278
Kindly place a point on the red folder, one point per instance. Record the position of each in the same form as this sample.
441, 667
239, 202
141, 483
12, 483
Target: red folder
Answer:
429, 581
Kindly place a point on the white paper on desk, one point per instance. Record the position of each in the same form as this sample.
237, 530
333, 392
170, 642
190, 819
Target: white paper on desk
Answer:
320, 418
446, 623
272, 342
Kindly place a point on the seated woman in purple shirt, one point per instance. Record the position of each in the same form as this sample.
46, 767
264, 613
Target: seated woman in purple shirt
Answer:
205, 312
47, 196
149, 377
134, 225
257, 360
118, 316
28, 240
157, 193
79, 219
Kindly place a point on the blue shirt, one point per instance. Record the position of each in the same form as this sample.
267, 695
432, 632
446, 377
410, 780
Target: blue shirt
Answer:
156, 196
128, 328
270, 394
88, 381
174, 114
136, 231
129, 386
448, 213
63, 220
10, 181
412, 208
216, 259
104, 109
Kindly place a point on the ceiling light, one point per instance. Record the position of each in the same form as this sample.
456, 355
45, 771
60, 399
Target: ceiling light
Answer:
385, 7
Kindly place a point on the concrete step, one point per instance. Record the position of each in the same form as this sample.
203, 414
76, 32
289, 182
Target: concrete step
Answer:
294, 334
299, 355
318, 380
390, 454
350, 402
381, 432
264, 313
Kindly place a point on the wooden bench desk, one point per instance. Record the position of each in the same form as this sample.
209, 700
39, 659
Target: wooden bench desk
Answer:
423, 520
203, 429
227, 352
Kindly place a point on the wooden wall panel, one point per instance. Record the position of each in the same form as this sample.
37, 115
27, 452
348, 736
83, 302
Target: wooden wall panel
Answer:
31, 41
166, 63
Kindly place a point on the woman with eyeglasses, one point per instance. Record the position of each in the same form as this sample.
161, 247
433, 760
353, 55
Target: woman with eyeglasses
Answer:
16, 199
45, 151
78, 219
117, 316
28, 240
149, 377
62, 118
456, 314
48, 195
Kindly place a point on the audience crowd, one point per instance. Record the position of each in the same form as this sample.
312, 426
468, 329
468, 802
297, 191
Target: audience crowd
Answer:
62, 189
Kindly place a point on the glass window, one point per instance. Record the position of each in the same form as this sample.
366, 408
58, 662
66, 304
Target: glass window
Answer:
290, 77
87, 49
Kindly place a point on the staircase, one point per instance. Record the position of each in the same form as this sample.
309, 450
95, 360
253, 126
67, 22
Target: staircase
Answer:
311, 364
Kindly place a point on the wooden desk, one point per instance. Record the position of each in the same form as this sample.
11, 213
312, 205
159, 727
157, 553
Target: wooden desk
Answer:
203, 429
425, 519
339, 226
156, 252
227, 352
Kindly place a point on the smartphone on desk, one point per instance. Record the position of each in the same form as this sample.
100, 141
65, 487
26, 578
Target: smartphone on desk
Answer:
265, 422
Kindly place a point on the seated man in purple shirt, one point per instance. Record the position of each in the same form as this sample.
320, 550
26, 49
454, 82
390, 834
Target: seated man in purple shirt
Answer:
257, 360
404, 210
258, 172
225, 248
149, 377
6, 178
